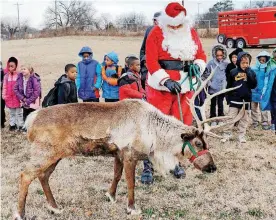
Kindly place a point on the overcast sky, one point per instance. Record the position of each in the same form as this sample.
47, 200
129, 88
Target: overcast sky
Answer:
33, 10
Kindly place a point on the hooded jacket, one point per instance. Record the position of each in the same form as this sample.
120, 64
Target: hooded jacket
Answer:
67, 90
231, 65
110, 77
269, 90
33, 89
260, 70
218, 81
89, 78
245, 78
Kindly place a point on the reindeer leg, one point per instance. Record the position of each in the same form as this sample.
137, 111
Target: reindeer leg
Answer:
129, 166
44, 180
118, 170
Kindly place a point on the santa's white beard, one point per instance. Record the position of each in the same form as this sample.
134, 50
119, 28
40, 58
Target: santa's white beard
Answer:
179, 43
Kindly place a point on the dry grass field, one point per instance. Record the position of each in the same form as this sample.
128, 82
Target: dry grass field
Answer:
244, 186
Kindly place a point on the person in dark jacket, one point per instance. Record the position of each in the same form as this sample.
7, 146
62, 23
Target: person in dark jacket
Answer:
233, 61
143, 47
245, 77
144, 72
67, 89
130, 86
126, 68
3, 114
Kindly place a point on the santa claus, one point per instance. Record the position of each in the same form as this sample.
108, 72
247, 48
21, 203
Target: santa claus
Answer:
171, 48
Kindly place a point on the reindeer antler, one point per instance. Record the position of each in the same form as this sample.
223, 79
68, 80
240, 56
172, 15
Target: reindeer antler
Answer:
202, 125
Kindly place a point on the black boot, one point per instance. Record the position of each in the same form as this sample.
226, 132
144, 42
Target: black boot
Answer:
147, 175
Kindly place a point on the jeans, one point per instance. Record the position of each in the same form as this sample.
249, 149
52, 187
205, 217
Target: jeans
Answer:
16, 117
217, 101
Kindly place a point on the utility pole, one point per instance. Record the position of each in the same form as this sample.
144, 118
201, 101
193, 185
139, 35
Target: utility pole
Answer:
250, 4
18, 20
56, 13
183, 2
199, 3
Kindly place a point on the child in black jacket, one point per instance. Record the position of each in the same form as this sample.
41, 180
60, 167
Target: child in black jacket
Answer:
242, 75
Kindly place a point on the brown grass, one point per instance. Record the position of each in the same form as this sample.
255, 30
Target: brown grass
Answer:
242, 188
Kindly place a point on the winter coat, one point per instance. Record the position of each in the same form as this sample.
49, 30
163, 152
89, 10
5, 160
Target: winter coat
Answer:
130, 86
231, 65
218, 81
110, 77
269, 90
260, 70
33, 90
245, 78
143, 47
8, 93
67, 90
272, 63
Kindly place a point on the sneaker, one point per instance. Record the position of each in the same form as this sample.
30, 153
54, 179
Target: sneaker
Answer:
22, 129
213, 124
147, 175
272, 127
12, 127
266, 127
242, 139
179, 172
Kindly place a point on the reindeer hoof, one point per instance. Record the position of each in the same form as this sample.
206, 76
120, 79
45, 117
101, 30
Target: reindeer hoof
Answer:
110, 197
54, 210
133, 211
17, 217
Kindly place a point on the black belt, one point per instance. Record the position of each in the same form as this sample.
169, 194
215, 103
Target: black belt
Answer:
175, 65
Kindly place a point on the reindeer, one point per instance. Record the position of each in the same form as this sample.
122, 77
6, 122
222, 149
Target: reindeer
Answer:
140, 131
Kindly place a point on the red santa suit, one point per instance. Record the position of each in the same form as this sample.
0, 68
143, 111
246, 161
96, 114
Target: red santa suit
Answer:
166, 44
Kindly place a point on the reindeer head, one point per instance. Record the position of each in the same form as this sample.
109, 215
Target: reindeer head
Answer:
195, 148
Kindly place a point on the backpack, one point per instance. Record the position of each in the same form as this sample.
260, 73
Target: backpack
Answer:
51, 98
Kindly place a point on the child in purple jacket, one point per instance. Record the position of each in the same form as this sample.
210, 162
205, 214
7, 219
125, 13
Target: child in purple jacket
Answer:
28, 90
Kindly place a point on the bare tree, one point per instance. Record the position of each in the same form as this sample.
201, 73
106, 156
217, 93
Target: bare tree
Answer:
72, 13
105, 21
132, 20
260, 4
9, 26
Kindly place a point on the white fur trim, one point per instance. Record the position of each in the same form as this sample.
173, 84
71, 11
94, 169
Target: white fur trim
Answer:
158, 76
185, 86
179, 19
201, 63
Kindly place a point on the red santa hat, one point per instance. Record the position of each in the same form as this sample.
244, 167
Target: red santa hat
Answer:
174, 14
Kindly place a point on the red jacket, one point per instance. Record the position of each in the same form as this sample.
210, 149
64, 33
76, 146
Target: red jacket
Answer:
155, 53
130, 86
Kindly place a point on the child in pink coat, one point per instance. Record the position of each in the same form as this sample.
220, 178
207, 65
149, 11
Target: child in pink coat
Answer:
8, 94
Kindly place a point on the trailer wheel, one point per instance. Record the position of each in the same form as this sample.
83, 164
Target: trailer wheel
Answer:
240, 43
230, 43
221, 38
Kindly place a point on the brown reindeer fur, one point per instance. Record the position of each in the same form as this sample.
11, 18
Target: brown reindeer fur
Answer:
129, 130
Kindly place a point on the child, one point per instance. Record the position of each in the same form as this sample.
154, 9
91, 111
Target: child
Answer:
218, 81
110, 74
125, 69
8, 94
67, 89
260, 69
3, 114
242, 75
28, 90
233, 61
268, 101
130, 86
89, 77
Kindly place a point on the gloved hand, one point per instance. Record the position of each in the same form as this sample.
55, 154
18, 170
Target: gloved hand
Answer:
173, 86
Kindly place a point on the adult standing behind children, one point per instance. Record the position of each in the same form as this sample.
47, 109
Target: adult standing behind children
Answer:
260, 69
3, 114
89, 77
8, 94
268, 101
111, 72
218, 81
28, 90
245, 77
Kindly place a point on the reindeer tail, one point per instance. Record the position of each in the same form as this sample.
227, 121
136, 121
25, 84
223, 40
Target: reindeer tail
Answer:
30, 119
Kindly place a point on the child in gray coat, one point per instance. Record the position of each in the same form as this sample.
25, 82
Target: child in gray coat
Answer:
218, 81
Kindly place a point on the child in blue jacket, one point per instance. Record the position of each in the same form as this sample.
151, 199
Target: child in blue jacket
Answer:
260, 69
89, 78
